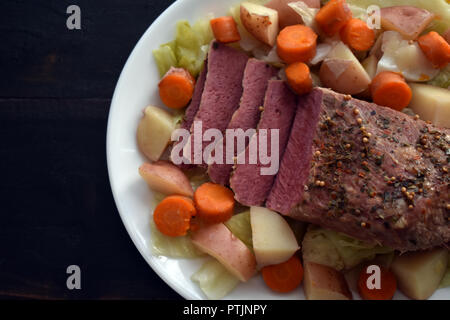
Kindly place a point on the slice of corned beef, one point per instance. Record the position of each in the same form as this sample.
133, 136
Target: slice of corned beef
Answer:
288, 187
374, 173
222, 90
257, 73
249, 185
193, 106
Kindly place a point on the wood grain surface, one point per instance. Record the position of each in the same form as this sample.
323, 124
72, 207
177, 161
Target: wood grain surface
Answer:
56, 205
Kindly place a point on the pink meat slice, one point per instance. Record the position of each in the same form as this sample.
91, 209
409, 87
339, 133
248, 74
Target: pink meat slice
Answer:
251, 187
256, 76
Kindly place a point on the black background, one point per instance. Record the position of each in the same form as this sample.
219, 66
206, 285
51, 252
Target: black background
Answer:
56, 205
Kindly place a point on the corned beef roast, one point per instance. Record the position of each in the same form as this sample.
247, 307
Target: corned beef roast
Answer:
365, 170
222, 91
257, 73
250, 187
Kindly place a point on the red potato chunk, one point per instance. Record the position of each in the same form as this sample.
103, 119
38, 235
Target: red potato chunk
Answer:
218, 241
409, 21
286, 15
164, 177
324, 283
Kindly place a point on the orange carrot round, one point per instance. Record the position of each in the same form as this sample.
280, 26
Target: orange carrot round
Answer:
214, 202
176, 88
299, 77
435, 48
391, 90
357, 35
296, 43
173, 214
284, 277
386, 290
333, 16
225, 29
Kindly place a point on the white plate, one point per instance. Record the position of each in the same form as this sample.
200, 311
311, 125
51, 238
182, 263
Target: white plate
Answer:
137, 88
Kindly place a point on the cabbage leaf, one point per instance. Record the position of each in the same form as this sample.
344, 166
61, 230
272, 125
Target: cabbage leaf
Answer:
174, 247
214, 280
337, 250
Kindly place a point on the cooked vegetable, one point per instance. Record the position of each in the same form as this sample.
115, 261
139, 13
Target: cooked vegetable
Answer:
191, 45
175, 247
442, 79
176, 88
419, 273
225, 29
284, 277
357, 35
342, 72
333, 16
409, 21
324, 283
387, 284
445, 282
273, 240
218, 241
214, 202
188, 50
370, 65
172, 216
404, 57
431, 104
214, 280
164, 177
296, 44
390, 89
247, 42
165, 57
438, 7
260, 21
307, 14
337, 250
287, 16
435, 48
240, 226
299, 77
154, 131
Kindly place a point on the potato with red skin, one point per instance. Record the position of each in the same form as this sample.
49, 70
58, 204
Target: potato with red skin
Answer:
324, 283
286, 15
342, 72
218, 241
260, 21
164, 177
409, 21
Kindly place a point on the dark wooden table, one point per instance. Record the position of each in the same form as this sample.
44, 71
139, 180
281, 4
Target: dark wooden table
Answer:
56, 206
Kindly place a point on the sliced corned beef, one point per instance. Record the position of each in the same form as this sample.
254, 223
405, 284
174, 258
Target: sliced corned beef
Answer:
193, 106
222, 90
256, 76
249, 185
374, 173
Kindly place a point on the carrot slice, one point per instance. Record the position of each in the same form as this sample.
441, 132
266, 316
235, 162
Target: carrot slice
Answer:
390, 89
225, 29
284, 277
214, 202
176, 88
357, 35
299, 77
296, 43
435, 48
173, 214
333, 16
386, 290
